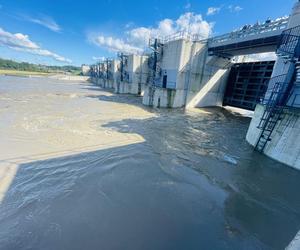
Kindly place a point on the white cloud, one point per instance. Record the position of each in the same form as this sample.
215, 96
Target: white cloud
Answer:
213, 10
129, 25
22, 42
43, 20
235, 9
188, 6
114, 44
136, 39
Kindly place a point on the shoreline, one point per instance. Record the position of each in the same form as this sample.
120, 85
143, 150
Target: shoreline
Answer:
28, 74
8, 72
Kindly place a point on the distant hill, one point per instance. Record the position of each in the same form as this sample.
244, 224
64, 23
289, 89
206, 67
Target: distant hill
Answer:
24, 66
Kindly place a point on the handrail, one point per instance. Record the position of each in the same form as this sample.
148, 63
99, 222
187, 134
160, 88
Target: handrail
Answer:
289, 42
250, 30
273, 81
275, 91
245, 31
178, 36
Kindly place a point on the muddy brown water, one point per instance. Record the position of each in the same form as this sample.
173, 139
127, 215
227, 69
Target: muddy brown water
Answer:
188, 180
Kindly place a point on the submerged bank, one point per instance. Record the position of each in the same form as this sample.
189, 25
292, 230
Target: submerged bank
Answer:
91, 169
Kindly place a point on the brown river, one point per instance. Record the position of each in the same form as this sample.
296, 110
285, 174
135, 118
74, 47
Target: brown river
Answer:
83, 168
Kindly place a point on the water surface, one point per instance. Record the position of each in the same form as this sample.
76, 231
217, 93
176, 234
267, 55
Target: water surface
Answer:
183, 180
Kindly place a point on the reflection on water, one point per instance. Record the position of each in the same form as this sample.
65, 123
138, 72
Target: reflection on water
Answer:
193, 183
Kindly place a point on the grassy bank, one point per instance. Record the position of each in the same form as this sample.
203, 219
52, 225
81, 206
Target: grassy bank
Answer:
11, 67
12, 72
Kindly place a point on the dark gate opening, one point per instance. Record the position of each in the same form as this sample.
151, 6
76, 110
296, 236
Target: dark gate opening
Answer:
247, 84
164, 85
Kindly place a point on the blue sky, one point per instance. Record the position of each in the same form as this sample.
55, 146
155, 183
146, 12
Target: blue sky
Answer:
76, 32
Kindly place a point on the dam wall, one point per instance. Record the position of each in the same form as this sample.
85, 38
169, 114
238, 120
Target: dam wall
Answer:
132, 73
186, 71
284, 146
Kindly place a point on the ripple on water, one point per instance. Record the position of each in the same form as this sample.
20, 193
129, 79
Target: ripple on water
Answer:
177, 189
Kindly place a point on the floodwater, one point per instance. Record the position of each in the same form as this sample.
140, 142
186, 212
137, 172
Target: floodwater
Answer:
82, 168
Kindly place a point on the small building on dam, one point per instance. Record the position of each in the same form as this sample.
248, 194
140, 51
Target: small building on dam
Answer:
186, 71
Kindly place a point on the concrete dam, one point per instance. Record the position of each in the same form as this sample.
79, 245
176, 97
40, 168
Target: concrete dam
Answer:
191, 144
183, 70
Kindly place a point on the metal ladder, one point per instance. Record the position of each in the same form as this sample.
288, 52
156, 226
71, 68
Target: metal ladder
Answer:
289, 49
156, 46
272, 114
122, 57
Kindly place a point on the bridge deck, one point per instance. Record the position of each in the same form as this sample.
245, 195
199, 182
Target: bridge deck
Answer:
253, 46
256, 38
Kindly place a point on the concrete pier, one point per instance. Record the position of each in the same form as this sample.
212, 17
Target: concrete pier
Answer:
284, 146
133, 74
174, 76
275, 127
213, 78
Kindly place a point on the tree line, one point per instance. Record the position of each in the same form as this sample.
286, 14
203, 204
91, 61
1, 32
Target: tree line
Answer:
24, 66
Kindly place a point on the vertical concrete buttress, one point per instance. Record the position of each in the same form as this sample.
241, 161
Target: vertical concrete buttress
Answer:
284, 145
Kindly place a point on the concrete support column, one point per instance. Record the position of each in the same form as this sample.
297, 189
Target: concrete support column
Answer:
210, 91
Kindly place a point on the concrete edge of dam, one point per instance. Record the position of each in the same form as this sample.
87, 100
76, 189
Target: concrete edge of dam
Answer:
284, 146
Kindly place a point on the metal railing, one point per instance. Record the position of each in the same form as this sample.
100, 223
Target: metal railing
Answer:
252, 30
245, 31
179, 36
281, 89
272, 83
289, 43
295, 101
